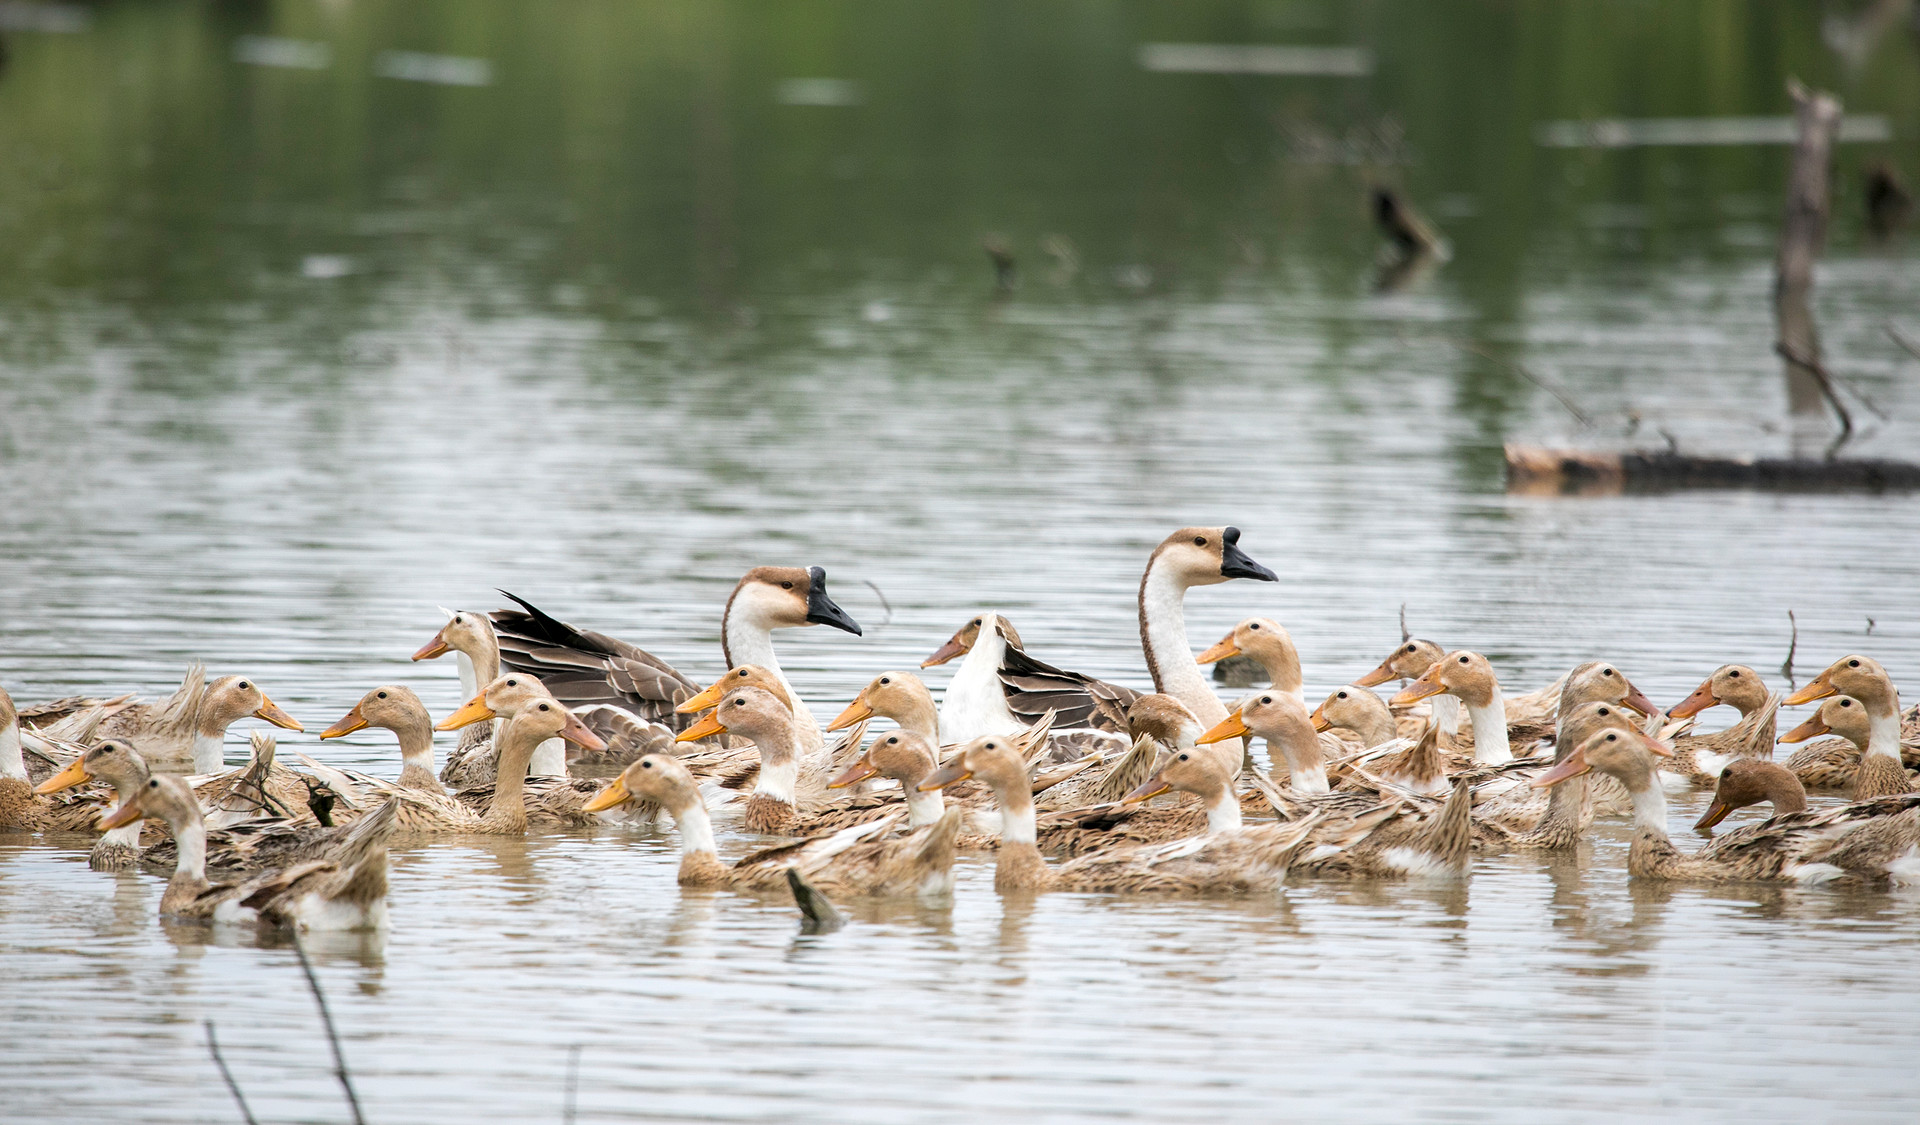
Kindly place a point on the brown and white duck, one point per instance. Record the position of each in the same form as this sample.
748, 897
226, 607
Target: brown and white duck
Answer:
514, 801
1881, 772
1750, 781
1271, 646
114, 770
186, 734
1699, 758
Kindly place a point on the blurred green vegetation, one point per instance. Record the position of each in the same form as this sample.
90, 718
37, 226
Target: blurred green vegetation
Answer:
635, 152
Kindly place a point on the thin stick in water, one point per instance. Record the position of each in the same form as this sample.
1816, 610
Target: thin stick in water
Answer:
1404, 635
333, 1037
213, 1048
573, 1085
1786, 667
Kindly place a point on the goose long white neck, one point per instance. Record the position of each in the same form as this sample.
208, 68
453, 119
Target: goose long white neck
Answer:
1490, 731
746, 637
1163, 635
12, 763
696, 829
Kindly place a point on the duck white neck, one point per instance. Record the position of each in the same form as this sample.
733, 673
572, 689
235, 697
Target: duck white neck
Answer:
12, 763
1016, 818
209, 751
779, 769
924, 808
696, 829
1446, 714
1223, 811
1306, 764
975, 703
1649, 806
190, 842
416, 755
1490, 730
1883, 733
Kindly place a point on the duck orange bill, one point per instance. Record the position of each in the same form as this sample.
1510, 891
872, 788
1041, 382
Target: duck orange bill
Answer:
1233, 726
854, 774
436, 647
1813, 728
950, 774
1220, 651
1379, 675
1573, 766
1427, 685
708, 726
616, 793
945, 652
577, 733
121, 817
706, 699
470, 712
1701, 699
1715, 813
1319, 718
1638, 700
856, 711
1651, 743
271, 712
1147, 790
1820, 688
75, 774
350, 722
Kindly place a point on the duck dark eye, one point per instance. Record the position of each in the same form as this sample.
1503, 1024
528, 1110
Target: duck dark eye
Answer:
1413, 648
993, 746
1604, 711
1255, 627
1342, 695
976, 621
513, 683
153, 785
1733, 675
1850, 664
884, 680
1266, 699
383, 695
1183, 757
1606, 671
244, 685
646, 765
1463, 660
544, 707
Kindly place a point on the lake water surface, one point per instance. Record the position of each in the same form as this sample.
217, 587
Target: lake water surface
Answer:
291, 355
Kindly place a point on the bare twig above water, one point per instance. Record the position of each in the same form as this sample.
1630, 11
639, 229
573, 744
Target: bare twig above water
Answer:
213, 1048
1404, 635
1811, 365
1547, 385
1786, 666
1905, 344
884, 604
1869, 626
333, 1036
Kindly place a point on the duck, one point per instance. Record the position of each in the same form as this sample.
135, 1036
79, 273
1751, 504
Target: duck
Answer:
120, 767
1238, 861
1699, 758
1191, 556
1357, 711
1832, 762
1000, 689
861, 860
904, 756
514, 801
1872, 841
20, 809
1749, 781
345, 891
1270, 645
1415, 656
396, 708
471, 638
186, 733
1569, 808
784, 781
1292, 743
1469, 677
1881, 772
900, 696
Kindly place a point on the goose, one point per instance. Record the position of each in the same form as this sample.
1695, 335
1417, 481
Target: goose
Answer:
757, 714
1001, 689
124, 771
1241, 861
1871, 840
1269, 644
514, 800
1192, 556
1831, 762
186, 733
1749, 781
859, 860
1880, 773
1699, 758
345, 891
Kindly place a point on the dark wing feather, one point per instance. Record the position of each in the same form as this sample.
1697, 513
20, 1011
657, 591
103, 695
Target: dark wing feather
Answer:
1035, 687
583, 668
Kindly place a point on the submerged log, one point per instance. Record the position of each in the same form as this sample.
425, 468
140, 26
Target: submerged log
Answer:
1545, 472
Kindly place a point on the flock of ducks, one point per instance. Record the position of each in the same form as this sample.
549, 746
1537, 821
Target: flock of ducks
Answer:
1073, 782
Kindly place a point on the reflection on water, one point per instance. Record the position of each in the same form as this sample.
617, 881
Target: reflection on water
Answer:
293, 354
